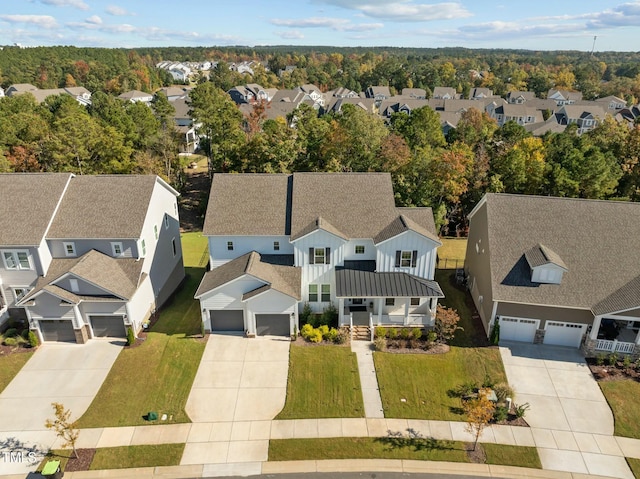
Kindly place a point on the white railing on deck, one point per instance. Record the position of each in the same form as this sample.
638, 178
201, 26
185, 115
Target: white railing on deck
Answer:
371, 326
614, 346
351, 326
411, 320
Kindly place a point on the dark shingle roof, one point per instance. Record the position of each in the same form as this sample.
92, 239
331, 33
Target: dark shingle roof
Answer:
118, 276
365, 284
285, 279
248, 204
105, 206
403, 223
594, 239
40, 194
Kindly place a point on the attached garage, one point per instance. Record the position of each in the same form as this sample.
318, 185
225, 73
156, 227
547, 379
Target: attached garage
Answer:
226, 319
57, 330
111, 326
518, 329
564, 334
272, 324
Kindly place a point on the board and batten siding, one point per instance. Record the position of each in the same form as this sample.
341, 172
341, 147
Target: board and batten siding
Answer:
408, 241
219, 254
350, 250
319, 273
229, 296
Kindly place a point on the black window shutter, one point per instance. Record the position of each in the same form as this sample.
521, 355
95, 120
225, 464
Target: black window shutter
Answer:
311, 256
398, 253
414, 258
327, 256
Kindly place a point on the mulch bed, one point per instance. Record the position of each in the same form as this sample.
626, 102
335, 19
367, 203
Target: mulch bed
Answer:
82, 462
476, 456
7, 350
396, 346
612, 373
513, 420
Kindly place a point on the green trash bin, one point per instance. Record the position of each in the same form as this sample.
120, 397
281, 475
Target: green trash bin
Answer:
51, 470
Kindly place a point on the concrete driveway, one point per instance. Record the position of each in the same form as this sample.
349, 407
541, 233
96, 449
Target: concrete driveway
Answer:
240, 379
558, 385
58, 372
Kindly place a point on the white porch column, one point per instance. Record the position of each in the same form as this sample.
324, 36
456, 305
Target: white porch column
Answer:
205, 320
76, 312
595, 327
379, 311
341, 311
296, 318
406, 312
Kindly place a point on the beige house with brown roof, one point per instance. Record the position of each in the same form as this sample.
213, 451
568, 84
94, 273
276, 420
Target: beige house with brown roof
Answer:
278, 241
557, 270
95, 256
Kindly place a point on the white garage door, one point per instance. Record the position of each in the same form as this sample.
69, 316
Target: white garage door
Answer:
563, 334
518, 329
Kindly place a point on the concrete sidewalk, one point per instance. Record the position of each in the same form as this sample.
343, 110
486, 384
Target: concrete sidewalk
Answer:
368, 379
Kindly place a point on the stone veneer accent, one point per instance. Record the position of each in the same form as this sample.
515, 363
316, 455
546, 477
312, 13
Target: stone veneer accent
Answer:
82, 335
539, 337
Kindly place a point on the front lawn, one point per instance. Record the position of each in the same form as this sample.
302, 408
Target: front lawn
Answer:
422, 449
10, 365
622, 397
634, 464
323, 382
137, 456
424, 381
157, 375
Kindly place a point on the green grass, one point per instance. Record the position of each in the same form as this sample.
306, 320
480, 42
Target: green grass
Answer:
622, 398
519, 456
421, 449
137, 456
10, 365
425, 380
323, 382
156, 376
452, 253
456, 297
634, 464
194, 249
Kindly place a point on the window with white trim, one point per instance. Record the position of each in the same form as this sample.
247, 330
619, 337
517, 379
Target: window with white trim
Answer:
20, 292
229, 245
359, 249
356, 301
74, 285
116, 248
325, 293
390, 301
405, 259
17, 259
69, 248
276, 246
415, 301
313, 293
155, 231
318, 256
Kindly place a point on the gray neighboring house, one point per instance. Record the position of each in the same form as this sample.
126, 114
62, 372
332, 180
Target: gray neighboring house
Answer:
96, 254
557, 271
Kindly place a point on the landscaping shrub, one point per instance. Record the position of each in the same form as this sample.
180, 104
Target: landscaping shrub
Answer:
330, 316
431, 336
306, 313
12, 341
626, 361
488, 382
416, 333
306, 331
521, 409
465, 390
503, 391
10, 333
341, 338
324, 330
501, 414
315, 336
131, 338
600, 359
404, 333
25, 334
612, 359
392, 333
33, 339
331, 335
380, 332
380, 344
494, 337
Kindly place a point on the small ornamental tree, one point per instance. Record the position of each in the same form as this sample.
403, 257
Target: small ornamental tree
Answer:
64, 427
446, 323
479, 412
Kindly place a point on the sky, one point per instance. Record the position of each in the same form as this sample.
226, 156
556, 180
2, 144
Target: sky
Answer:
531, 24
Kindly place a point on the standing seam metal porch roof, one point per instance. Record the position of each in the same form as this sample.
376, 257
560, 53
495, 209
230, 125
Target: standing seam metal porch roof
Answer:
366, 284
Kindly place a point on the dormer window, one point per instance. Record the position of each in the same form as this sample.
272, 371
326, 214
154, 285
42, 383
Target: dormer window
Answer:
546, 266
116, 249
69, 249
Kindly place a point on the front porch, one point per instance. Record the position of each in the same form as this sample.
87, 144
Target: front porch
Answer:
616, 335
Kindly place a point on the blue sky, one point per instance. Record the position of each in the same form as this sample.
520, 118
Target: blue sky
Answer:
532, 24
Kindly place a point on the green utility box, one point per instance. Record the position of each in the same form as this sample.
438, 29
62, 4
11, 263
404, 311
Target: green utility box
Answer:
51, 470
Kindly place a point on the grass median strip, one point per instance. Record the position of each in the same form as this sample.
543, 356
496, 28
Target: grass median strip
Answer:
417, 386
323, 382
137, 456
422, 449
634, 464
10, 365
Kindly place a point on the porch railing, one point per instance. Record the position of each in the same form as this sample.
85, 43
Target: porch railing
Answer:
614, 346
370, 327
351, 326
414, 320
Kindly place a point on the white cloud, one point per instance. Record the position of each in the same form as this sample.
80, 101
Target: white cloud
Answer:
337, 24
43, 21
291, 35
117, 11
404, 10
67, 3
95, 19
